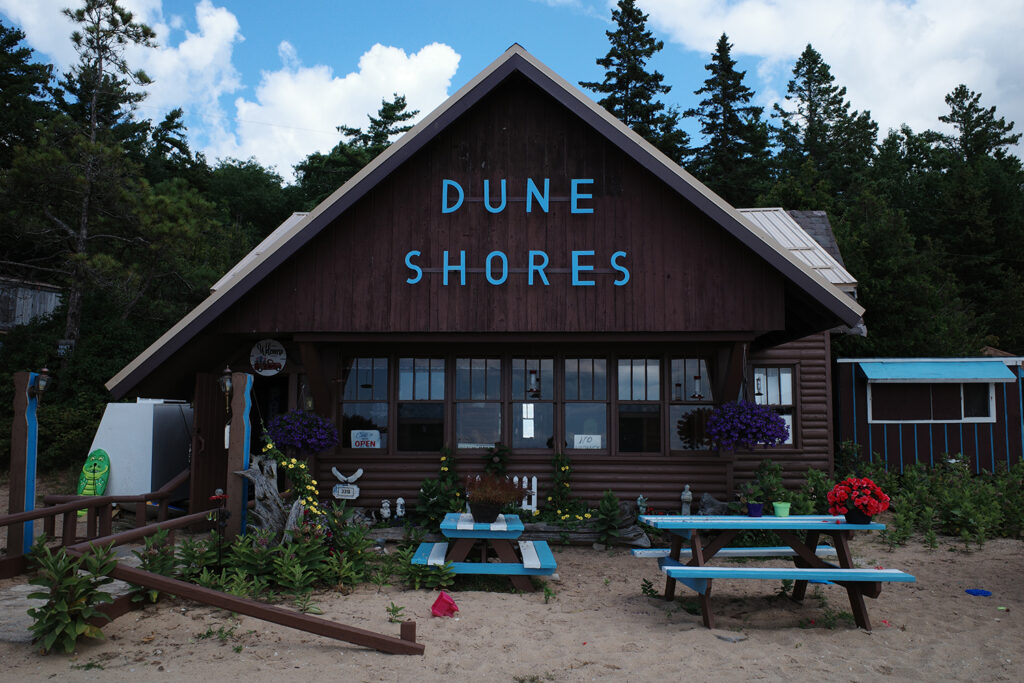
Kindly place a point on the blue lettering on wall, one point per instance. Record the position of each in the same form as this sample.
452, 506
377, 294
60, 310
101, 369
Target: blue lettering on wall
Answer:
445, 184
461, 267
487, 197
413, 267
575, 195
622, 269
504, 267
538, 267
532, 192
577, 267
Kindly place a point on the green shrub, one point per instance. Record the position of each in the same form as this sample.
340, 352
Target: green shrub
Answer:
157, 557
606, 521
73, 591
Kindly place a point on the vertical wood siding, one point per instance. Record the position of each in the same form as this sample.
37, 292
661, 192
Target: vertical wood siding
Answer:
986, 445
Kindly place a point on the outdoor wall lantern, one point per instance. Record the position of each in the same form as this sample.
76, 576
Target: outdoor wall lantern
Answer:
41, 384
757, 387
224, 382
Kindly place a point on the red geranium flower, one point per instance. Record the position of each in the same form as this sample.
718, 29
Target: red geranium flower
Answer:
860, 493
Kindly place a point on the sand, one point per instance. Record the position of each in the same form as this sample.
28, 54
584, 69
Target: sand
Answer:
598, 626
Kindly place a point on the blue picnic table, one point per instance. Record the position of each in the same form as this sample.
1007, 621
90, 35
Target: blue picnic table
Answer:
800, 533
518, 560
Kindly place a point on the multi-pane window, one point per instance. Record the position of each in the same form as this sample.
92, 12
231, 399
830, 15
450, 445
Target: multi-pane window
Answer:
774, 387
477, 402
938, 402
420, 404
533, 408
586, 403
364, 406
690, 404
639, 405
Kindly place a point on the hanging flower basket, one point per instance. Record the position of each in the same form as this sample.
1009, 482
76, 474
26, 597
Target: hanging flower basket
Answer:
744, 424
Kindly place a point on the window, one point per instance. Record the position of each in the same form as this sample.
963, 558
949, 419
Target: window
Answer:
364, 406
533, 408
420, 404
586, 403
922, 402
477, 402
774, 387
639, 405
690, 404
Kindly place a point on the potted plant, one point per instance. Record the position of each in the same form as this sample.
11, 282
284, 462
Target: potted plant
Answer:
744, 424
859, 499
488, 494
303, 431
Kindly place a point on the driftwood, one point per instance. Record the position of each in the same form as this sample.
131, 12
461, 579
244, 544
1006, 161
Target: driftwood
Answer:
271, 512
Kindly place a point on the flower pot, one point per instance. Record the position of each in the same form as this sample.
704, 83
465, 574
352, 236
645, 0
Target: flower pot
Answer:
781, 509
755, 509
855, 516
484, 513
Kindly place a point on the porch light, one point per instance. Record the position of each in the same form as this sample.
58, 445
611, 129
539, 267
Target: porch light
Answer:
224, 382
41, 384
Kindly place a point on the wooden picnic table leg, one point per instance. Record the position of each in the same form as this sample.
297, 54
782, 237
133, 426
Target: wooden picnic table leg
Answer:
458, 551
670, 583
705, 607
506, 553
697, 560
854, 590
800, 587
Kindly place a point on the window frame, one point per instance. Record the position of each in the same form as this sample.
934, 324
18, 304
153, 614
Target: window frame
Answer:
962, 420
794, 390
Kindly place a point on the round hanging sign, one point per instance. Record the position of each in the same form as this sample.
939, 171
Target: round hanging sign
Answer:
268, 357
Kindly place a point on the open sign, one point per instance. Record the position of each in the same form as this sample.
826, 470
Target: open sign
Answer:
365, 438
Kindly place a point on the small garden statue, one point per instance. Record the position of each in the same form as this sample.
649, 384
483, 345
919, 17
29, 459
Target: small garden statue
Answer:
685, 500
641, 504
400, 509
385, 510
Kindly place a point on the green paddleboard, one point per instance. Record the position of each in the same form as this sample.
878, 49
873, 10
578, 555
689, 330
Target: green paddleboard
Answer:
95, 472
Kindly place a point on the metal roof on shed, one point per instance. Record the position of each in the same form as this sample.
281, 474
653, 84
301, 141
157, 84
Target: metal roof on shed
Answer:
936, 371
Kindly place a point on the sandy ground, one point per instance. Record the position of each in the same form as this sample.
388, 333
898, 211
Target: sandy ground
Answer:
598, 626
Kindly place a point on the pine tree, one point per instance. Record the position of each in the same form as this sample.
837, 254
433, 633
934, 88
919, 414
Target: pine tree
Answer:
820, 126
630, 90
321, 174
734, 159
978, 132
24, 86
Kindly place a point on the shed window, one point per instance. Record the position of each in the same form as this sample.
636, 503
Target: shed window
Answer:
937, 402
533, 408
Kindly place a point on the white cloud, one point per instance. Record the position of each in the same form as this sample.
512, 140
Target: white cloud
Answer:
897, 58
297, 108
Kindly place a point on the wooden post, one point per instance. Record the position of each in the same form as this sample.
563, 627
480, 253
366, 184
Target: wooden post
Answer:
24, 430
239, 443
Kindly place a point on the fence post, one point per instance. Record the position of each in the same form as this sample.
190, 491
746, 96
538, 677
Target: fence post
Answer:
24, 434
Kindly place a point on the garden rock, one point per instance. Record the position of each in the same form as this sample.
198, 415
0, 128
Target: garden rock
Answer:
709, 505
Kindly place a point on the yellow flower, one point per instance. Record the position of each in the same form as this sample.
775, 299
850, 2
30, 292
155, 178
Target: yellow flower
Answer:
314, 482
558, 512
587, 515
290, 466
549, 499
457, 494
294, 460
578, 517
566, 484
536, 512
443, 458
444, 469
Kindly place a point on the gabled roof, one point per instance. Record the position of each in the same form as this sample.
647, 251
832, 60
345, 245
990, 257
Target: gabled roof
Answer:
802, 281
787, 231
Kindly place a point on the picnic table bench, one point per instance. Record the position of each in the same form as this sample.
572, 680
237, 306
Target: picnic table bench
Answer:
694, 572
534, 558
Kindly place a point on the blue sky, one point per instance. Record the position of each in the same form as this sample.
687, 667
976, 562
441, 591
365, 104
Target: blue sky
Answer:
271, 79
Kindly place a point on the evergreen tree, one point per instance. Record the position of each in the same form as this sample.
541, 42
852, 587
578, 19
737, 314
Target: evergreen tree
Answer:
978, 132
24, 94
630, 90
321, 174
734, 159
820, 127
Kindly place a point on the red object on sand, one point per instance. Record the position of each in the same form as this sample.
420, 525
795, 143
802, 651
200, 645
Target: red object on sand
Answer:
444, 606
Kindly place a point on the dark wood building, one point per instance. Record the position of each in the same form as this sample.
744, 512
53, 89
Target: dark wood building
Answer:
905, 411
519, 268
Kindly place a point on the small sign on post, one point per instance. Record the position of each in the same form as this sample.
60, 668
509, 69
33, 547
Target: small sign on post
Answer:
345, 491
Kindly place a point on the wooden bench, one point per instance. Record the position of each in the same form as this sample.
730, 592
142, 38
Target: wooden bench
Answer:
697, 577
773, 551
537, 560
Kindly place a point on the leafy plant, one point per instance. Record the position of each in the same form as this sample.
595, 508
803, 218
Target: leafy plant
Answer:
496, 460
394, 613
196, 555
158, 557
438, 497
648, 589
73, 591
606, 521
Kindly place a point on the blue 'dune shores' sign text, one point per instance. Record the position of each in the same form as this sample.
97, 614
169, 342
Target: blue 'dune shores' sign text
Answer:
581, 263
